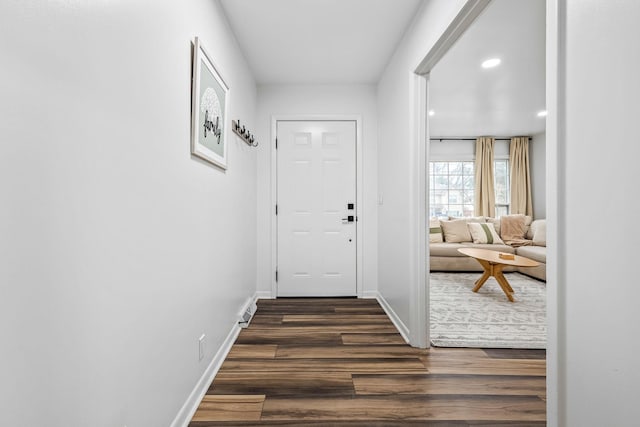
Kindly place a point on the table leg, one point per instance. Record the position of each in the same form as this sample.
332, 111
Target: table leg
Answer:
495, 270
502, 281
487, 273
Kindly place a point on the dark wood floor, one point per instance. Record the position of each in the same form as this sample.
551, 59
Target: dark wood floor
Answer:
341, 362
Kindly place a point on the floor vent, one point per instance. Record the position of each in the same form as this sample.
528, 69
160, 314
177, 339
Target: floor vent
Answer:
245, 318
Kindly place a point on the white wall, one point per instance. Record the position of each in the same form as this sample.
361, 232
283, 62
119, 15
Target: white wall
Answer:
456, 149
597, 176
396, 154
537, 164
117, 248
318, 100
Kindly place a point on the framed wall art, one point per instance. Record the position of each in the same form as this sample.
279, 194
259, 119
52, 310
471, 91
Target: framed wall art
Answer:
210, 98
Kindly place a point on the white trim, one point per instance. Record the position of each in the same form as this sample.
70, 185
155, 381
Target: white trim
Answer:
419, 320
359, 191
399, 324
370, 294
264, 295
419, 247
189, 408
468, 13
555, 132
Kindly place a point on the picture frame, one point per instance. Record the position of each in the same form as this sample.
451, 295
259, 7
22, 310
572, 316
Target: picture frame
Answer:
210, 100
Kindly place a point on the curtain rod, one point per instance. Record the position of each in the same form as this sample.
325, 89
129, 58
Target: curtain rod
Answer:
474, 139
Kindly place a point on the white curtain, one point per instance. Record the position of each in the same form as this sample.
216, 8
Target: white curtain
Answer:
520, 176
485, 195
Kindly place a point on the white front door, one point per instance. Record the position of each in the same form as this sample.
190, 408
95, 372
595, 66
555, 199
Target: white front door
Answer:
316, 216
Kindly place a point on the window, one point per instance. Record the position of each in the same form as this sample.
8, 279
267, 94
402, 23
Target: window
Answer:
501, 184
451, 188
452, 185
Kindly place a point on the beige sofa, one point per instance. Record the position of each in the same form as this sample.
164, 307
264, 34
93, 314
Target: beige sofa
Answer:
444, 256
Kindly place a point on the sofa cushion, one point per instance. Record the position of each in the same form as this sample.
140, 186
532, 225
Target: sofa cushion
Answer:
499, 248
435, 231
455, 231
536, 253
445, 249
539, 232
484, 233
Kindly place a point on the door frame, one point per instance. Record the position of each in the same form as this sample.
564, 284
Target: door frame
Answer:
359, 185
419, 125
555, 26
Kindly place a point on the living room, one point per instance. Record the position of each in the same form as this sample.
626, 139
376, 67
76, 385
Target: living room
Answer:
487, 107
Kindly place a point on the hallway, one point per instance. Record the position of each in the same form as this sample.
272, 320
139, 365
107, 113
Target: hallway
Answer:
342, 362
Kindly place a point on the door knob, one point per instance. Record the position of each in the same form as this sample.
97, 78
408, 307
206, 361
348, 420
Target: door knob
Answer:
348, 219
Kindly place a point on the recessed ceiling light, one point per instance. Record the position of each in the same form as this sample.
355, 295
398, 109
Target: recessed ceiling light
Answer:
490, 63
431, 112
542, 113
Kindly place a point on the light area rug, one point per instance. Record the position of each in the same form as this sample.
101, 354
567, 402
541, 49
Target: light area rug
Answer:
486, 319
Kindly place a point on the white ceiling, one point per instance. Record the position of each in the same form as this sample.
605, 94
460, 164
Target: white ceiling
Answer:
470, 101
319, 41
351, 41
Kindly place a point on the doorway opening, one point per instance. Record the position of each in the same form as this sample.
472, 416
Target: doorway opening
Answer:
448, 168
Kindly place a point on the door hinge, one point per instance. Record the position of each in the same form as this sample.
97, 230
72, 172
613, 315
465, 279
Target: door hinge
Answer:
276, 275
276, 209
276, 143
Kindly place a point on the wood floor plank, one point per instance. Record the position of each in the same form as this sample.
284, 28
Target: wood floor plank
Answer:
340, 328
336, 319
375, 423
380, 365
485, 366
276, 384
266, 319
449, 384
373, 339
252, 351
369, 351
360, 310
407, 407
230, 408
515, 353
456, 353
254, 335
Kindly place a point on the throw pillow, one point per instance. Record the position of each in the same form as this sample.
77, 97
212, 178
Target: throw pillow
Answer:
484, 233
528, 220
496, 223
435, 231
455, 231
539, 228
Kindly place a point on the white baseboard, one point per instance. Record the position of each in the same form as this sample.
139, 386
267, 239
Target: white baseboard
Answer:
400, 326
263, 295
370, 294
191, 405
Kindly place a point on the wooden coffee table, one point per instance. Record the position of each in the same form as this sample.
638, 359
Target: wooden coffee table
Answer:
493, 266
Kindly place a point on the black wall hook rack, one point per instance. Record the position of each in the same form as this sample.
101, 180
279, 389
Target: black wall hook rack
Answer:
243, 133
